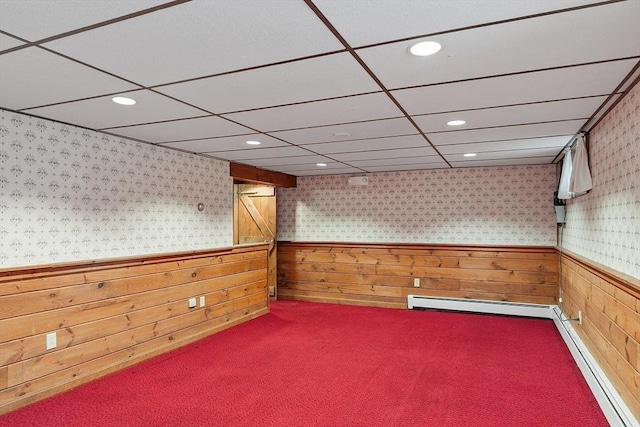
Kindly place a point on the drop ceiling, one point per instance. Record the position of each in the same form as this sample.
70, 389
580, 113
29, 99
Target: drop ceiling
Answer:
325, 81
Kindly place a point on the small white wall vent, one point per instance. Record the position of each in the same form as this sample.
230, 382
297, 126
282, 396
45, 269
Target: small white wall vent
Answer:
358, 180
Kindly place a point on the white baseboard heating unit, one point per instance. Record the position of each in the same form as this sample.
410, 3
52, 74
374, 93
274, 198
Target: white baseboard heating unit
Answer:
614, 409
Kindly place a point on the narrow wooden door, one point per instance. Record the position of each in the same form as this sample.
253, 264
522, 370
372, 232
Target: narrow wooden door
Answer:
254, 211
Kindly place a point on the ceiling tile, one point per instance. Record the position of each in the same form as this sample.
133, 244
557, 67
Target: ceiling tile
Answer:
7, 42
261, 153
504, 133
36, 19
504, 162
513, 47
308, 80
330, 164
514, 144
323, 171
440, 165
342, 110
349, 131
201, 38
396, 142
368, 22
102, 112
595, 117
384, 154
588, 80
239, 142
197, 128
22, 83
397, 161
272, 162
512, 154
520, 114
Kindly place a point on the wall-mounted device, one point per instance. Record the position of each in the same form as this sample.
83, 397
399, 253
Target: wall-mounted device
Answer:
560, 209
358, 180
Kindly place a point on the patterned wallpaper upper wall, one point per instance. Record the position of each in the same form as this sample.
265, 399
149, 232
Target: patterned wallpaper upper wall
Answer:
69, 194
492, 205
604, 224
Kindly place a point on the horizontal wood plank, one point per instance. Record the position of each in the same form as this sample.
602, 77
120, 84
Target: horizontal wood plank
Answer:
519, 274
110, 314
610, 321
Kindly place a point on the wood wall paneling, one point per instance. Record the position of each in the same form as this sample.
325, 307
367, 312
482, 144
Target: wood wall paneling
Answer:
112, 314
610, 306
383, 275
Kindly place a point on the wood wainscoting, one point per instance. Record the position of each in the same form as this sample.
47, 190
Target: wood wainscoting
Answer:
383, 274
610, 306
111, 314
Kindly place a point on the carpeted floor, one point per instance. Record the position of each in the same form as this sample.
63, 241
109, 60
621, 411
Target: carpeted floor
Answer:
308, 364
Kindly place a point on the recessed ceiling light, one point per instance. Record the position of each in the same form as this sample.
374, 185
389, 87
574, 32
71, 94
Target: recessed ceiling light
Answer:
122, 100
254, 142
321, 164
425, 48
456, 122
341, 134
470, 154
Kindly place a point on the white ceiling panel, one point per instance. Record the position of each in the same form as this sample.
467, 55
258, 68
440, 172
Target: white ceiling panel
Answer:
330, 164
421, 166
397, 161
226, 143
323, 77
598, 115
102, 112
349, 131
324, 171
519, 114
198, 128
368, 22
384, 154
261, 153
312, 79
504, 162
512, 47
514, 144
272, 162
411, 141
202, 38
589, 80
36, 19
504, 133
7, 42
500, 155
342, 110
22, 84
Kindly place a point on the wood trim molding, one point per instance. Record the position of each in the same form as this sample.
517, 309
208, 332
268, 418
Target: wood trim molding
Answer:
246, 173
620, 280
11, 273
421, 246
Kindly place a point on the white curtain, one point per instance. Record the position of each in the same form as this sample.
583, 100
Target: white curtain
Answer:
565, 177
580, 173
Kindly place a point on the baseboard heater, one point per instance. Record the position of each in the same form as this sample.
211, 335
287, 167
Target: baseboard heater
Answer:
613, 407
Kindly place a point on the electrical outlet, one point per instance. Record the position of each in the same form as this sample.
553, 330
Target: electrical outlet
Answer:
202, 301
52, 341
416, 282
192, 302
272, 291
579, 317
560, 300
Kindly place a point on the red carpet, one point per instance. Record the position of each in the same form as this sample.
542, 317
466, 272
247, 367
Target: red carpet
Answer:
308, 364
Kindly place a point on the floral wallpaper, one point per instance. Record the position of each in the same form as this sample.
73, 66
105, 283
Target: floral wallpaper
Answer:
68, 194
491, 205
604, 224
